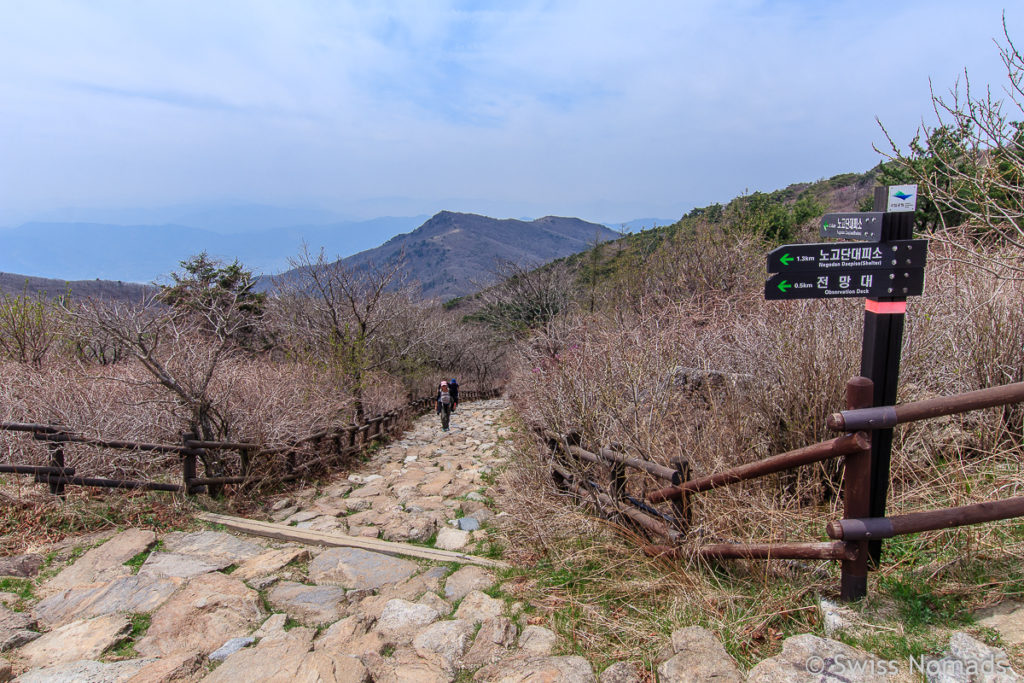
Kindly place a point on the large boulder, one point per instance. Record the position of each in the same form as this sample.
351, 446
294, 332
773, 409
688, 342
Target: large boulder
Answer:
445, 643
210, 610
477, 607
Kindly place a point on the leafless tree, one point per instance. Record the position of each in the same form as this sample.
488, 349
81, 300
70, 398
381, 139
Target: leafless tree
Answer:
971, 165
358, 321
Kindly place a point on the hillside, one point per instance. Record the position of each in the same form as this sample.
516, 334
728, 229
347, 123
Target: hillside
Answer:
454, 254
14, 284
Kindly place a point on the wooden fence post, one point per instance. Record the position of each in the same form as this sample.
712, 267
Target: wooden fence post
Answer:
56, 460
857, 495
188, 464
681, 505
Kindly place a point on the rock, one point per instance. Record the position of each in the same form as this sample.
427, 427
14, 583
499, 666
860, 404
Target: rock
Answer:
418, 528
351, 636
287, 659
445, 642
9, 598
263, 582
15, 629
280, 504
401, 620
131, 594
356, 568
404, 666
311, 605
284, 513
698, 656
364, 531
468, 523
491, 644
466, 579
620, 672
302, 516
537, 641
177, 667
212, 546
476, 496
451, 539
5, 671
481, 515
86, 671
105, 562
478, 607
1007, 619
272, 627
969, 660
806, 657
573, 669
432, 600
85, 639
177, 565
269, 562
209, 610
21, 566
231, 647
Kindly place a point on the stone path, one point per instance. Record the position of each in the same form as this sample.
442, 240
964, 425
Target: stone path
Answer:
212, 606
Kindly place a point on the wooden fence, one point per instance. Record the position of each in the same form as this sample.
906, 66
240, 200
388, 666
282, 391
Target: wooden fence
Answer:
850, 535
341, 441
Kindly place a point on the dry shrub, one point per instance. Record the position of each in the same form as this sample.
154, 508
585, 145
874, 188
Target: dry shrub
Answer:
722, 381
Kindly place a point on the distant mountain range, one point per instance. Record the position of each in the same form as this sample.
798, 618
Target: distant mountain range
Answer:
454, 254
16, 285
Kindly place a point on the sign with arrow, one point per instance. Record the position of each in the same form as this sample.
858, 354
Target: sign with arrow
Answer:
864, 225
829, 256
844, 283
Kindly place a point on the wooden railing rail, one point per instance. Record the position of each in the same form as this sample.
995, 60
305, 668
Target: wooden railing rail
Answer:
851, 534
346, 440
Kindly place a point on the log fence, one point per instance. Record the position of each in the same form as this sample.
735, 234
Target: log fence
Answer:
341, 441
572, 469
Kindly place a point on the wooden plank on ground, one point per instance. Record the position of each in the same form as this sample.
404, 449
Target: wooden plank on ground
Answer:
290, 533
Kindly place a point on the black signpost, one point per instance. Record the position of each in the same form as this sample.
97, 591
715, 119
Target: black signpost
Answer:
885, 268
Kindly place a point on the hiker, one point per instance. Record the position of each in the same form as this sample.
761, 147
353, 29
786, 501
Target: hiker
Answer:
444, 405
453, 389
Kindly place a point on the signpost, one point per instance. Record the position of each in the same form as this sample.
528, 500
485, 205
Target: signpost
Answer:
885, 268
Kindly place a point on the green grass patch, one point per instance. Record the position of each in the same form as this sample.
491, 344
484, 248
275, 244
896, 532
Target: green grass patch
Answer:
126, 648
23, 588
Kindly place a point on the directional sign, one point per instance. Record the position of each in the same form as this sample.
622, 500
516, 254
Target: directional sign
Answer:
866, 225
830, 256
845, 283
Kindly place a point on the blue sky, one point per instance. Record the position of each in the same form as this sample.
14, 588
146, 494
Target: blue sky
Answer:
604, 110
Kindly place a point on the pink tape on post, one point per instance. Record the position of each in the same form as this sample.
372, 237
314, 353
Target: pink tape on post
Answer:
889, 307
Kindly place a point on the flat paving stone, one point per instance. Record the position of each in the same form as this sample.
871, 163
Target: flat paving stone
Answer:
311, 605
357, 569
129, 594
104, 562
213, 546
179, 566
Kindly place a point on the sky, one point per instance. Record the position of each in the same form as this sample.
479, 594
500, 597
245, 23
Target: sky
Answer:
609, 111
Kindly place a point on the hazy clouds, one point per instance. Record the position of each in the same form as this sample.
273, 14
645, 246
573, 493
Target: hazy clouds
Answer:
605, 110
